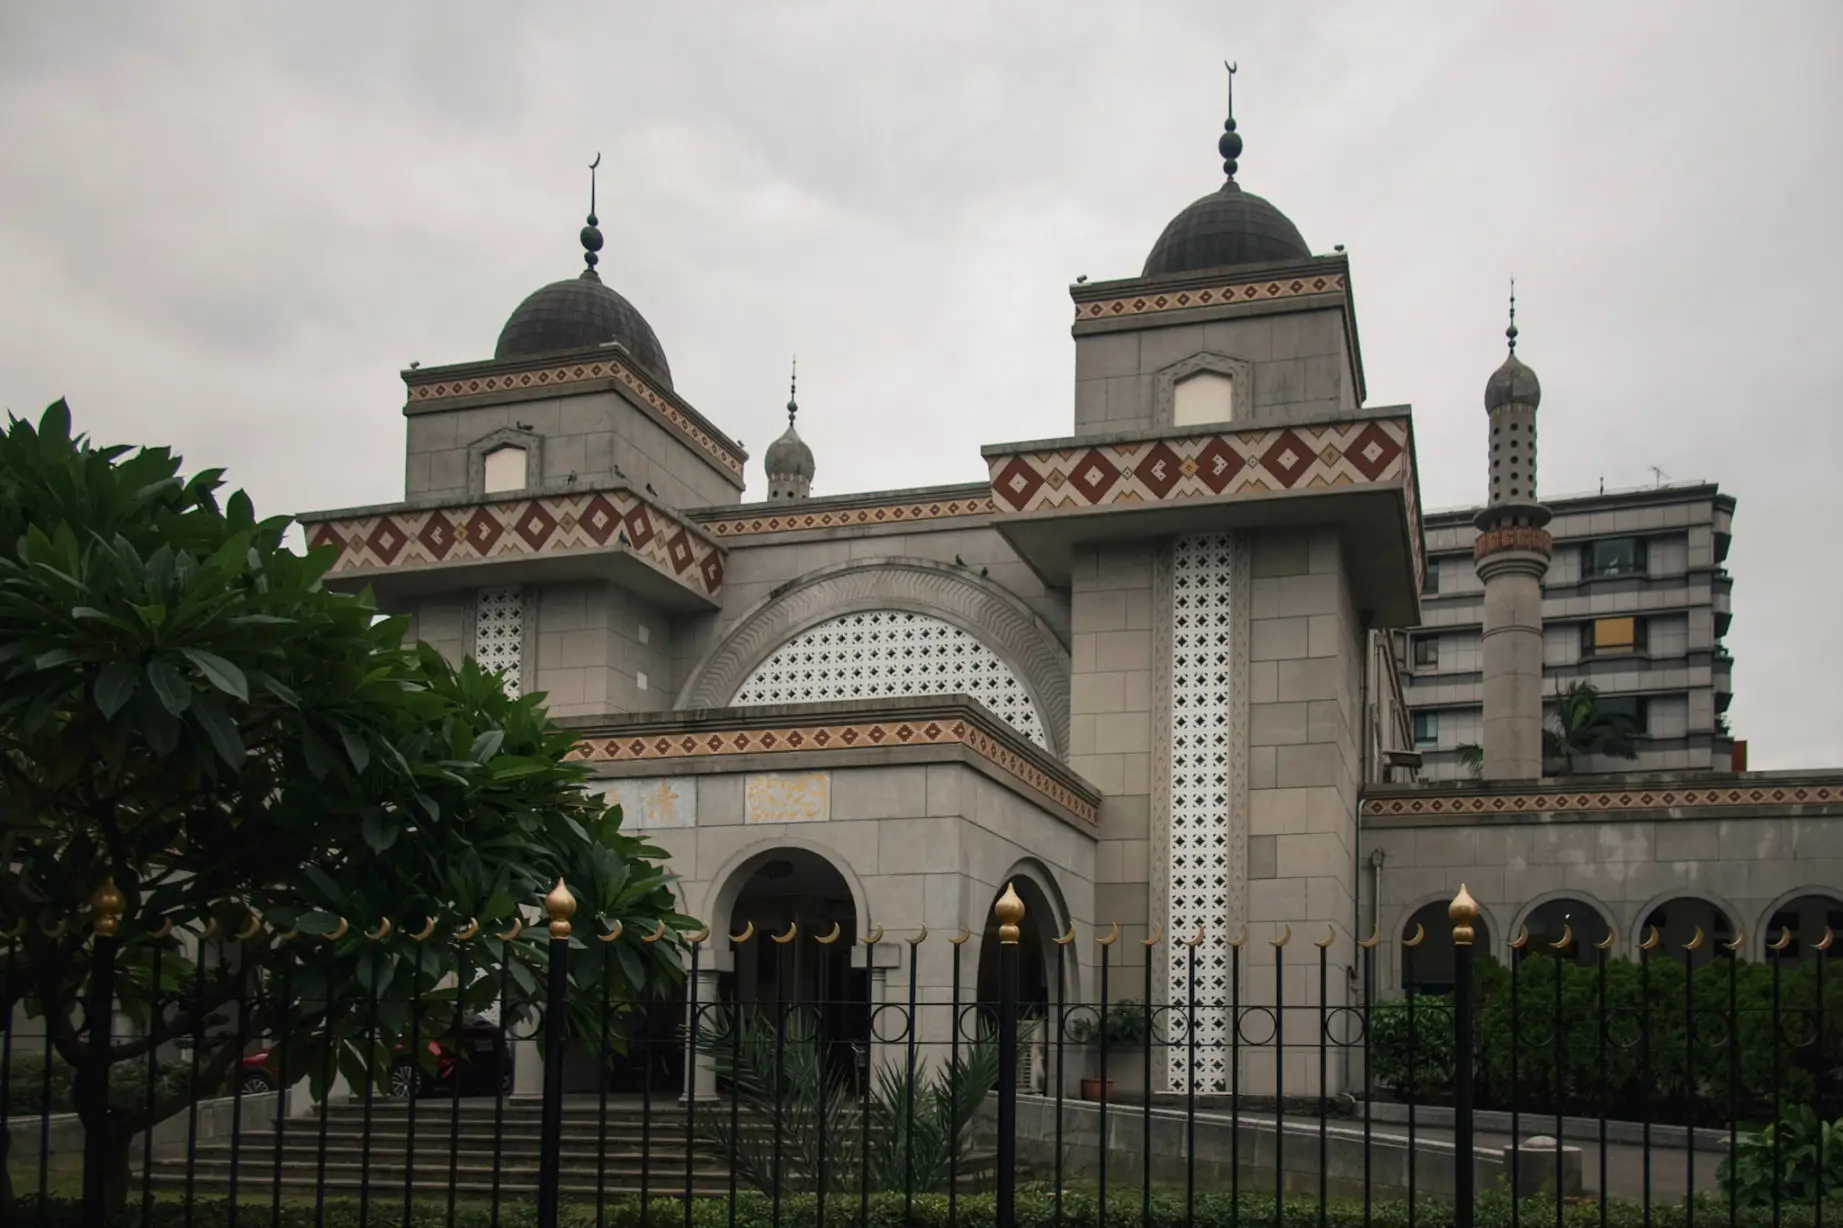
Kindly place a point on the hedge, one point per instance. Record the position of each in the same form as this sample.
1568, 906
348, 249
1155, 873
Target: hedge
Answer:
1035, 1208
25, 1084
1700, 1083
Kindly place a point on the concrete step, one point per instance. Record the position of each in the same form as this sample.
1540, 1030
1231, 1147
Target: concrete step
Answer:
481, 1152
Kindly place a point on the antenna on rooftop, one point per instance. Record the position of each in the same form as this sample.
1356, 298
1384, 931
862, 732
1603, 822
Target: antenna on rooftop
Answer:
1660, 475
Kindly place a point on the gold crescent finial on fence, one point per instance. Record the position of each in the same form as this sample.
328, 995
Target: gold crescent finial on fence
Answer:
1286, 936
1158, 936
963, 937
1695, 942
697, 936
1606, 943
1822, 944
1420, 936
1521, 940
560, 906
793, 931
1241, 940
838, 932
1652, 938
1739, 938
919, 938
58, 928
210, 931
250, 930
381, 932
289, 936
659, 931
425, 933
613, 935
334, 935
468, 932
1566, 940
1067, 938
511, 935
166, 931
1113, 936
874, 936
1373, 941
15, 931
1330, 937
1784, 940
748, 932
1196, 940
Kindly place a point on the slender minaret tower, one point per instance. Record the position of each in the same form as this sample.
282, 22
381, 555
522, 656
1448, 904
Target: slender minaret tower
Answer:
789, 461
1512, 556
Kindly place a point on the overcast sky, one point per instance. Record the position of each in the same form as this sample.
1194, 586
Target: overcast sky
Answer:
229, 226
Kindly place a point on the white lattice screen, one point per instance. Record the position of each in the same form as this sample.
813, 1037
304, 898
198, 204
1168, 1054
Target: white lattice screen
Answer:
499, 634
887, 653
1200, 686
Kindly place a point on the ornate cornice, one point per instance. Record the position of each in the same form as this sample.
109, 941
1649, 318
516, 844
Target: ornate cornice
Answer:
976, 605
731, 733
803, 516
404, 537
1513, 537
1766, 795
1216, 294
431, 387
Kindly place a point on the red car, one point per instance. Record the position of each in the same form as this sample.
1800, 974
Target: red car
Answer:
481, 1065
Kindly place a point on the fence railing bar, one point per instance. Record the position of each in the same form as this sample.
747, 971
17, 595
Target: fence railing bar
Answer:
463, 977
1101, 1145
693, 1025
499, 1098
413, 1084
1145, 1116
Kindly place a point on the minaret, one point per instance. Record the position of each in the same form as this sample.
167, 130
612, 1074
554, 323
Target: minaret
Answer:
789, 461
1512, 556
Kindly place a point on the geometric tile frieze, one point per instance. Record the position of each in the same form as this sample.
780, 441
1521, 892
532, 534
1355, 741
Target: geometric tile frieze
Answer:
795, 519
927, 731
1256, 461
1209, 296
574, 373
1606, 801
524, 528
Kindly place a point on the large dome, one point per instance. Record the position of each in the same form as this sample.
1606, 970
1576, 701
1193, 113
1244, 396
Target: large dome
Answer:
577, 314
1227, 227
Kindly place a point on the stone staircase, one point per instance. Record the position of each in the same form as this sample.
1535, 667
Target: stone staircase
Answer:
635, 1150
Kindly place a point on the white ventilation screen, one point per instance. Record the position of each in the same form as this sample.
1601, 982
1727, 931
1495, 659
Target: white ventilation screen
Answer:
499, 634
887, 653
1201, 568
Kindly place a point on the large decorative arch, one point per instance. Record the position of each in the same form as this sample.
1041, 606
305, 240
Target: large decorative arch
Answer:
982, 609
1607, 923
1490, 919
1763, 933
718, 900
1641, 919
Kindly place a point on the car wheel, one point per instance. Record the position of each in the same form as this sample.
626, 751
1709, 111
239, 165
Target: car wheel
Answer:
256, 1082
405, 1082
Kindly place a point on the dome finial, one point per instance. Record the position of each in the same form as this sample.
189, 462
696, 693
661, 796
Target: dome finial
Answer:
1229, 143
793, 382
1511, 332
591, 237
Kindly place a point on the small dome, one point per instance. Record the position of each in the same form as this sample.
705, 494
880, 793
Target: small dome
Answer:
1227, 227
577, 314
789, 456
1512, 384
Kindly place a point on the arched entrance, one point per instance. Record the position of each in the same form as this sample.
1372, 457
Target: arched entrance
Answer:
1677, 922
1429, 965
1040, 958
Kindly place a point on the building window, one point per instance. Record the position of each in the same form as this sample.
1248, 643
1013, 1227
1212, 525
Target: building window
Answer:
1426, 729
1608, 637
1631, 707
1430, 582
1427, 652
1207, 396
504, 471
1613, 556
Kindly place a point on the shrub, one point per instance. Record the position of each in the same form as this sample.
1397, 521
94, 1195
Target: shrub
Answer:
26, 1088
1804, 1150
1126, 1023
1420, 1067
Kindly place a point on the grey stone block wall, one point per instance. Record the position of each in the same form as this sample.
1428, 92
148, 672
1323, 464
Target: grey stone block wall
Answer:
590, 434
1300, 363
599, 648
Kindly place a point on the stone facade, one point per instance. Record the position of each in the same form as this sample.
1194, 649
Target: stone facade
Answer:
1149, 672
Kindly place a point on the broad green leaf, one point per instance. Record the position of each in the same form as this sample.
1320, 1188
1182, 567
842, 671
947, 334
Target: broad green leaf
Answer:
379, 832
487, 745
225, 739
170, 687
55, 658
220, 673
115, 686
356, 750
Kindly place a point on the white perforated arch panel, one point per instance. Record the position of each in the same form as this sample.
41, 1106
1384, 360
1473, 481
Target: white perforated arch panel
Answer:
889, 653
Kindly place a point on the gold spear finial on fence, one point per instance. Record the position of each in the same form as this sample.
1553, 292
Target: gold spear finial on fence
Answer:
1010, 910
560, 906
106, 909
1463, 911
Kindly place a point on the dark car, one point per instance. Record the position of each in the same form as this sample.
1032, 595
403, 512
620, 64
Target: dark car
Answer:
479, 1065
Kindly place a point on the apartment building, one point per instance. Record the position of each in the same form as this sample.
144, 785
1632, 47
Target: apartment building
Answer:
1636, 601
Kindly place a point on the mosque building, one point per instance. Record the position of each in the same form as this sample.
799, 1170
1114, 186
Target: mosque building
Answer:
1154, 672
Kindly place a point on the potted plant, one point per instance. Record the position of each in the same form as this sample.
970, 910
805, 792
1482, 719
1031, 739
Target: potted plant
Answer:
1124, 1028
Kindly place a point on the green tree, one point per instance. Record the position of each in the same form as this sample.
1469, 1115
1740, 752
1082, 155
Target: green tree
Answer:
188, 714
1580, 725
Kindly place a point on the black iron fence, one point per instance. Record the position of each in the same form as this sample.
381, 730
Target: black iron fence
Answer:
1200, 1079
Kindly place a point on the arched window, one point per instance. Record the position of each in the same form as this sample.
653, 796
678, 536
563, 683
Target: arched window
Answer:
1581, 921
504, 470
1428, 966
1678, 920
1805, 919
890, 653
